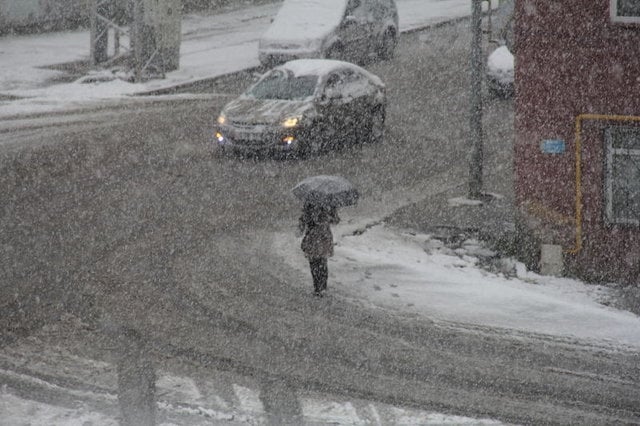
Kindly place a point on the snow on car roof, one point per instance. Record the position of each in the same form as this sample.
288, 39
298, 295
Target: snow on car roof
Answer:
306, 19
301, 67
501, 59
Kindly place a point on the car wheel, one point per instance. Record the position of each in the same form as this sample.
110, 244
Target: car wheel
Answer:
311, 146
388, 45
493, 88
265, 64
220, 151
494, 93
336, 51
376, 128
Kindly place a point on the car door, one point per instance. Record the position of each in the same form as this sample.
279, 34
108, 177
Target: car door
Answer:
355, 29
334, 109
359, 94
375, 13
354, 92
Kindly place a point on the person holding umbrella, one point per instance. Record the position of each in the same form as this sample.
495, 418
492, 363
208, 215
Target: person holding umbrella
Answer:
317, 243
322, 195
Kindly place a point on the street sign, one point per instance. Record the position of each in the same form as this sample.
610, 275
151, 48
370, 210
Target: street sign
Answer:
552, 146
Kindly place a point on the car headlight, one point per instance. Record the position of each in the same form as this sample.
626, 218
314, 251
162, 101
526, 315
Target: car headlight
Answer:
222, 119
291, 122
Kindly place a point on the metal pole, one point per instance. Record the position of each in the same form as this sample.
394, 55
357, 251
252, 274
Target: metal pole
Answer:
475, 122
93, 11
137, 38
116, 42
489, 24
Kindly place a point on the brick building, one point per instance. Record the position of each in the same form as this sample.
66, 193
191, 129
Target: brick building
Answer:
577, 143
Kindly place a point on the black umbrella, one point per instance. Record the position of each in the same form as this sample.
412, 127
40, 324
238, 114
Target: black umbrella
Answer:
330, 191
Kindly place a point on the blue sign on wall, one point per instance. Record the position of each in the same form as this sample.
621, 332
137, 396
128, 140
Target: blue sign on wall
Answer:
552, 146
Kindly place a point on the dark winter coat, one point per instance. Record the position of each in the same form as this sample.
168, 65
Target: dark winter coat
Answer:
315, 223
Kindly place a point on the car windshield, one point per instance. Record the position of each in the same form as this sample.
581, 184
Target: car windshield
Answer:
306, 19
284, 85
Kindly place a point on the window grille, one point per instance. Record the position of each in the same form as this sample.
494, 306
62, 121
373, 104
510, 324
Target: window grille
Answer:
622, 182
625, 11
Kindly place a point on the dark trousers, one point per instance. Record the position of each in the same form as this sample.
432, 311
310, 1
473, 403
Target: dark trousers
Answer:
319, 273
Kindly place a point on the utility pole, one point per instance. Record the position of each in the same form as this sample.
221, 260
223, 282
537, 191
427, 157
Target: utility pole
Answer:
99, 30
105, 17
156, 36
138, 16
154, 30
93, 30
475, 122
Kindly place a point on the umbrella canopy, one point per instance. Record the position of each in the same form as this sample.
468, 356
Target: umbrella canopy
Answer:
330, 191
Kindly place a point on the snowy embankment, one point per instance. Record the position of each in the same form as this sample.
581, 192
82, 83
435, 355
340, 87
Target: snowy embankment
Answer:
466, 284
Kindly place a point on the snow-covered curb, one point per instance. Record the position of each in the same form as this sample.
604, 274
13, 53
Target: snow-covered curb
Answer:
417, 274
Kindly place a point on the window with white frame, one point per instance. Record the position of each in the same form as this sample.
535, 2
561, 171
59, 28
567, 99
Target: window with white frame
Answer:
625, 11
622, 182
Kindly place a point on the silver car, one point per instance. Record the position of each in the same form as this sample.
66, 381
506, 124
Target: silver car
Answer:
304, 106
350, 30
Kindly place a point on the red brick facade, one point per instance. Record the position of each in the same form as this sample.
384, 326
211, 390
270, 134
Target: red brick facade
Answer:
572, 60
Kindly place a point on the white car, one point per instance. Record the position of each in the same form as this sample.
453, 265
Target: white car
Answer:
349, 30
500, 73
500, 63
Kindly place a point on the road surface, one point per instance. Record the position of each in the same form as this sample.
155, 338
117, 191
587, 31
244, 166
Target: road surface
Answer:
123, 216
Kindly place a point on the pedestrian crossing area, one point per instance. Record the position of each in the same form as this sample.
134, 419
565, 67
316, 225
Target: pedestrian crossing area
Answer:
51, 386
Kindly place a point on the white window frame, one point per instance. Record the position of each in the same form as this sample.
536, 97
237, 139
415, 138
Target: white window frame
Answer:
611, 152
621, 19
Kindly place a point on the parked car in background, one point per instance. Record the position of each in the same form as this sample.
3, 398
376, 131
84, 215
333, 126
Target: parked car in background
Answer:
304, 106
501, 62
500, 72
350, 30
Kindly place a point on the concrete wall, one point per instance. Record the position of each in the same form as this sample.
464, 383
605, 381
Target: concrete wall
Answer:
41, 15
20, 10
47, 15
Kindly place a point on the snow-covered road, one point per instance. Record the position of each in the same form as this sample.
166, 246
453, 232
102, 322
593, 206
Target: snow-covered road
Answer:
212, 45
388, 269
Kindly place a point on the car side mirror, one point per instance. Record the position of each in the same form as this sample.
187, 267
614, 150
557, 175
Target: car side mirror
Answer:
349, 20
328, 96
333, 94
256, 76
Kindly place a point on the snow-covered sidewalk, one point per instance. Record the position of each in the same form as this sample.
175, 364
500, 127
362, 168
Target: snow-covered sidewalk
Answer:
468, 285
386, 267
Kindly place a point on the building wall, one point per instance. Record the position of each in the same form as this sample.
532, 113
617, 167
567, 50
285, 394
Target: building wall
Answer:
41, 15
49, 15
20, 10
571, 60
